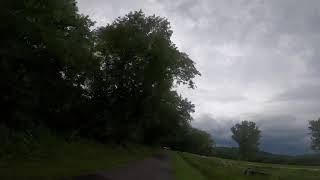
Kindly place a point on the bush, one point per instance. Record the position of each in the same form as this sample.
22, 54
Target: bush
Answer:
26, 144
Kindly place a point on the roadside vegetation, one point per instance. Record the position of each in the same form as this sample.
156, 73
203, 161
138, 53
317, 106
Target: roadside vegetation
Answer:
52, 157
184, 170
217, 168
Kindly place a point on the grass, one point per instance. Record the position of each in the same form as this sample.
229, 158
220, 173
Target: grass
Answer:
183, 170
217, 168
48, 157
68, 159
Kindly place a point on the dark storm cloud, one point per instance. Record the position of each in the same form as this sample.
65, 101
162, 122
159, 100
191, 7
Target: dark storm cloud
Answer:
256, 57
283, 134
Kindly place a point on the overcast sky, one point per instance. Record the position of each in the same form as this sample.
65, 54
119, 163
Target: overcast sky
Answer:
259, 61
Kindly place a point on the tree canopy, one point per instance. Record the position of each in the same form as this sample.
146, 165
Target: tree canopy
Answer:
45, 53
114, 83
314, 127
140, 65
247, 135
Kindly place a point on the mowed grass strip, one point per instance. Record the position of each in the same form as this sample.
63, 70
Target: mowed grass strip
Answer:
217, 168
183, 170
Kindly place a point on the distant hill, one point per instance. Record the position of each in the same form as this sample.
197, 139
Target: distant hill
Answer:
266, 157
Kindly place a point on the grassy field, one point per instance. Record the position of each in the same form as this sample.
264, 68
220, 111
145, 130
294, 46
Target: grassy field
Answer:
69, 159
217, 168
183, 170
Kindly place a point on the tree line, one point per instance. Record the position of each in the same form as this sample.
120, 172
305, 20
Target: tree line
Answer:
115, 83
247, 134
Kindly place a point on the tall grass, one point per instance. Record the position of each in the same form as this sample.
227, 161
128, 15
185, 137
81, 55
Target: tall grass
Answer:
41, 155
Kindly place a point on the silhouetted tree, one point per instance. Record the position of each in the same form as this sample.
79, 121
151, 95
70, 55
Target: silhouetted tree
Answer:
140, 65
45, 52
314, 127
247, 135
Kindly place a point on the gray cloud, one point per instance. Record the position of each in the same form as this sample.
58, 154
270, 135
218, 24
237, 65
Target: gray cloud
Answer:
256, 57
301, 93
284, 134
219, 129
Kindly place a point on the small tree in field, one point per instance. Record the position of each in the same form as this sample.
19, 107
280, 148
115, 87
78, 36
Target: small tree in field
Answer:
314, 127
247, 135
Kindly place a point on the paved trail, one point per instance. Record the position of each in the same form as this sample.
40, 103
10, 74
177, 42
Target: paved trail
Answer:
158, 167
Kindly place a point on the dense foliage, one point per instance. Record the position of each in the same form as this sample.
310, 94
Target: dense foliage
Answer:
247, 135
113, 83
315, 134
193, 140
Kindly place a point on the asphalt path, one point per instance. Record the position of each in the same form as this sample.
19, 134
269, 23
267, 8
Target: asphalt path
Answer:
157, 167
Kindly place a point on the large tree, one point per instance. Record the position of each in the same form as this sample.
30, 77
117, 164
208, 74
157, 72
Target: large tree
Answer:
139, 67
314, 127
45, 51
247, 135
116, 82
